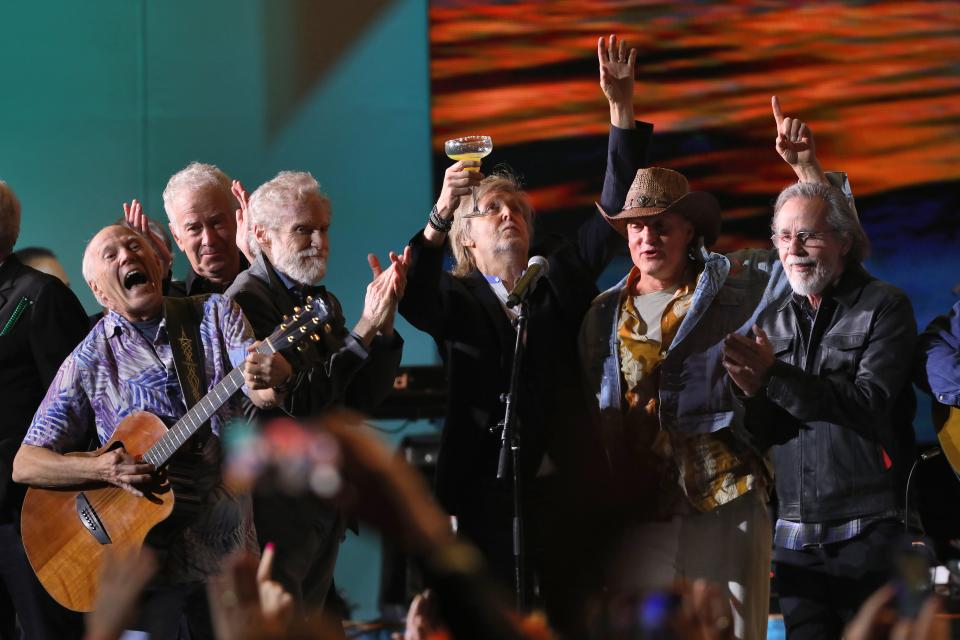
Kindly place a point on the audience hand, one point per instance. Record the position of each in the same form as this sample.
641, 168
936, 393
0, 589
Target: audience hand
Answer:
276, 604
125, 574
876, 620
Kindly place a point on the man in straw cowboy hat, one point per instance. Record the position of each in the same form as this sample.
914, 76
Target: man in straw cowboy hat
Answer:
688, 495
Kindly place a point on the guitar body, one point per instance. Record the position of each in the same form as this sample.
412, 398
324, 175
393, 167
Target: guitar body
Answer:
947, 422
67, 531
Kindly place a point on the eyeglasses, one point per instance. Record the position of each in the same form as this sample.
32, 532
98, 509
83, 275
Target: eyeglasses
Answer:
813, 239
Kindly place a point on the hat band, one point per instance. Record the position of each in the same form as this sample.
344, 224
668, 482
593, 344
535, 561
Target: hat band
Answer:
648, 202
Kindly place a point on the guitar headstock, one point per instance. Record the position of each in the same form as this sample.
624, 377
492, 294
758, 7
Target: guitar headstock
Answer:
306, 323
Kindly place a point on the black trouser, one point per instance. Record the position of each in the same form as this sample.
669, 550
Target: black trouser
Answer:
822, 588
39, 615
306, 534
561, 547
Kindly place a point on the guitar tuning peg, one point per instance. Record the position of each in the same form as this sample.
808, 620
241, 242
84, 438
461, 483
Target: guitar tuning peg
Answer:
327, 328
303, 328
285, 318
302, 346
296, 309
309, 299
315, 320
315, 337
283, 327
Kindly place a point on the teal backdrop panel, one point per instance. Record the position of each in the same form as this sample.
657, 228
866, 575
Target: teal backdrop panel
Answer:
103, 101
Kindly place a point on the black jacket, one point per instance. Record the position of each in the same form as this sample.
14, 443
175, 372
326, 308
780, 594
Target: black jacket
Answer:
476, 341
336, 371
52, 323
839, 413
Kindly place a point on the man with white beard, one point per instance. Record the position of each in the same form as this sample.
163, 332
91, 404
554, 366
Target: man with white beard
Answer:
824, 383
290, 219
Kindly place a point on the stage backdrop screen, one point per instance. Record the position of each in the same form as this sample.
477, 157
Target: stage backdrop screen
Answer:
879, 83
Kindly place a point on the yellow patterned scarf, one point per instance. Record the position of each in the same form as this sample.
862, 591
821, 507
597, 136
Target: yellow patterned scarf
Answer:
640, 356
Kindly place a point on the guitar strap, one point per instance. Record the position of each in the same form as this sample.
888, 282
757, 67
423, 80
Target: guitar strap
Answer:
183, 317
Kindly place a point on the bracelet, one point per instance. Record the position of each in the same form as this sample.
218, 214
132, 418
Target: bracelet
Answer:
438, 223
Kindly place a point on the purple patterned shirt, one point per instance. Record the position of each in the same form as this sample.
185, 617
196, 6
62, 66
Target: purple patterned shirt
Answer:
115, 372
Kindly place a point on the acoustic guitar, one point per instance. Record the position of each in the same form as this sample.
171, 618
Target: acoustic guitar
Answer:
946, 420
67, 531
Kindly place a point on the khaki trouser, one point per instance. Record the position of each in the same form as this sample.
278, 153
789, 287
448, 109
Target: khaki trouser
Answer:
729, 547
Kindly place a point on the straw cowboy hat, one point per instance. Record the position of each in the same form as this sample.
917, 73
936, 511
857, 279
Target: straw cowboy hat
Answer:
655, 191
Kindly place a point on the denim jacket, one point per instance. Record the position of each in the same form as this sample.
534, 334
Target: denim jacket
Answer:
695, 396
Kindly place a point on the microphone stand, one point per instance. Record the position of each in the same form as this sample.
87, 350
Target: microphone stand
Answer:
510, 440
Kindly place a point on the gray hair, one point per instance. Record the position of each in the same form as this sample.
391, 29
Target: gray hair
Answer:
9, 219
195, 175
840, 215
502, 181
288, 190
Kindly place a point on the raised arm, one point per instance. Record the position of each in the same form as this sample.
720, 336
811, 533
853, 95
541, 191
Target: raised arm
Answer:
795, 145
626, 151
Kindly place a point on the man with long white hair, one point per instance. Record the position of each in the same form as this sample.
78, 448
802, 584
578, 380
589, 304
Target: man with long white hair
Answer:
290, 219
824, 383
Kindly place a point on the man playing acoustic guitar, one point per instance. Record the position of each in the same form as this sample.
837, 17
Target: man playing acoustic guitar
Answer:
127, 365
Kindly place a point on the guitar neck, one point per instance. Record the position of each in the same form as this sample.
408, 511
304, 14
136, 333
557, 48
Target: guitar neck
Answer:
161, 452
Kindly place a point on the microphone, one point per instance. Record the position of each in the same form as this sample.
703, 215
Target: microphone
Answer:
536, 269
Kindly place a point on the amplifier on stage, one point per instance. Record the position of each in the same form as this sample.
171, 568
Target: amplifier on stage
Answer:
419, 393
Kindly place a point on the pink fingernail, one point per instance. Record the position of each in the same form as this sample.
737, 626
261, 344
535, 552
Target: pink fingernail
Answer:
268, 547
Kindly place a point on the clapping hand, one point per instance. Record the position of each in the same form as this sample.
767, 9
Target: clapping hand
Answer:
748, 361
243, 220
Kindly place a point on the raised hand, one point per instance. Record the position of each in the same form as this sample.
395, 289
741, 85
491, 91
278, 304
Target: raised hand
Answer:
276, 604
243, 231
795, 145
134, 215
617, 69
458, 182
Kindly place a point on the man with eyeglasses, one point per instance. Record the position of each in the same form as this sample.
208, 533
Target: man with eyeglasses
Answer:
824, 383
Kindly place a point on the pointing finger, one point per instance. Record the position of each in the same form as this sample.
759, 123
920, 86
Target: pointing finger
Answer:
777, 113
265, 568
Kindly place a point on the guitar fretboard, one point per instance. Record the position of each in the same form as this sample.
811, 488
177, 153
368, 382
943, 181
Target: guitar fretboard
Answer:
178, 434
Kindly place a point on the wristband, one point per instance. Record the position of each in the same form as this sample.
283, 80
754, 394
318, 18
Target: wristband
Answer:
438, 223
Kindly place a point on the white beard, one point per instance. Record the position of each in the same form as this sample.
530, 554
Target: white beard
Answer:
813, 283
305, 267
